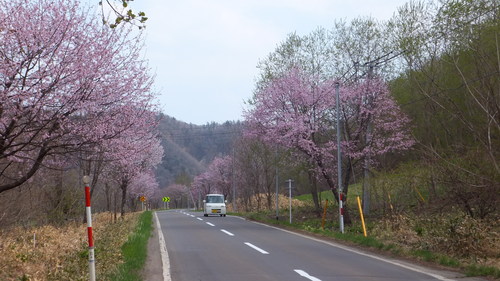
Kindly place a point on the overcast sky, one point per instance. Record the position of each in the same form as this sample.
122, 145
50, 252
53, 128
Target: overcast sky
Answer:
205, 52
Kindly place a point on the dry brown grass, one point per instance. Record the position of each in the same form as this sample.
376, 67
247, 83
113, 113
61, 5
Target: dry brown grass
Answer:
60, 253
253, 206
467, 239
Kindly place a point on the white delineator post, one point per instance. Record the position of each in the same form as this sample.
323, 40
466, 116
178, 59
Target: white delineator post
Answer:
290, 196
86, 181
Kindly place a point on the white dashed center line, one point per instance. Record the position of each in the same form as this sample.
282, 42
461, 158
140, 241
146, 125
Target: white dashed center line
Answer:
227, 232
306, 275
256, 248
200, 219
211, 224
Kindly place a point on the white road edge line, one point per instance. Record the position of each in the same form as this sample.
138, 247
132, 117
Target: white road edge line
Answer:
394, 262
211, 224
306, 275
256, 248
163, 253
227, 232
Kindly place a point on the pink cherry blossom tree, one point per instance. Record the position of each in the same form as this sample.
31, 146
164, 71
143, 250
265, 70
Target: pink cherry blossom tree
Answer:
203, 184
176, 192
216, 179
144, 184
101, 158
220, 171
297, 111
291, 113
67, 83
135, 157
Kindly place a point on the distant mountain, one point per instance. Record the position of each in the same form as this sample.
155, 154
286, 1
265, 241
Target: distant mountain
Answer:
190, 148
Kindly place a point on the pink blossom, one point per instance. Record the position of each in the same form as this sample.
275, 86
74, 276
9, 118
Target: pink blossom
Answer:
297, 111
67, 83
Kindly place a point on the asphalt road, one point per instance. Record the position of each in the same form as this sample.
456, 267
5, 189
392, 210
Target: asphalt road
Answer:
233, 249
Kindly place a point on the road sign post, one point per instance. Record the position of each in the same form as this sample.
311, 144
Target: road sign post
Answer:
142, 199
166, 201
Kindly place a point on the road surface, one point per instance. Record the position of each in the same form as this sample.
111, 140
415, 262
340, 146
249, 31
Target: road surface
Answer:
233, 249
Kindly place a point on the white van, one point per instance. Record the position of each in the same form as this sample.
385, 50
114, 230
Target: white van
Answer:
214, 204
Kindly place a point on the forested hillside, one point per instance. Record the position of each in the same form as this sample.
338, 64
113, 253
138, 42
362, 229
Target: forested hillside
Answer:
190, 148
451, 92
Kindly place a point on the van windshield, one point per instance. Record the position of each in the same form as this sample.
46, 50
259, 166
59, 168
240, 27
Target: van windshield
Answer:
215, 199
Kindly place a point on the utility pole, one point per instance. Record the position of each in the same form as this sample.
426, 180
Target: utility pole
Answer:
339, 160
199, 199
235, 209
369, 127
368, 136
277, 182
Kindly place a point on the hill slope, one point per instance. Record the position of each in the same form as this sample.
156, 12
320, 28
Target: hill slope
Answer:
190, 148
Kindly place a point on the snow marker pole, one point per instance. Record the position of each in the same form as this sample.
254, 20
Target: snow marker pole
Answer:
86, 181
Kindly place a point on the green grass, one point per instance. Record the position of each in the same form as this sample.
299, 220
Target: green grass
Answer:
327, 194
478, 270
135, 250
429, 256
352, 234
354, 190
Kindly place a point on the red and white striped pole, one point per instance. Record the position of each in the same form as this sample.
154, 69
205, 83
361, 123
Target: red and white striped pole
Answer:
341, 210
86, 181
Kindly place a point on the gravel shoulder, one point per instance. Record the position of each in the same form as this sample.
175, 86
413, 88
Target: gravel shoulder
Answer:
153, 270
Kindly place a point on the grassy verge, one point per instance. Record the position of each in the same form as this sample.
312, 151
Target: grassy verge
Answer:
479, 270
134, 251
354, 190
61, 252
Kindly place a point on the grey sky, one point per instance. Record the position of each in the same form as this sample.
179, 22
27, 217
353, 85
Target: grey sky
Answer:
205, 52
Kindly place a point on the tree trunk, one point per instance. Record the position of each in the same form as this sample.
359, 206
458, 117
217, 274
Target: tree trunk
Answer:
115, 205
269, 200
107, 190
314, 192
123, 187
333, 187
347, 178
34, 168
